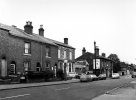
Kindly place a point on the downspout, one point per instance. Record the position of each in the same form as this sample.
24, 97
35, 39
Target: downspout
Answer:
41, 57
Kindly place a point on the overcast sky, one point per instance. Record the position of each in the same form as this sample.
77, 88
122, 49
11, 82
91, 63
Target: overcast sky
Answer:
111, 23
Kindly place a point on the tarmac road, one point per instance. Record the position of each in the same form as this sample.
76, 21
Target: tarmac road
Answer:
72, 91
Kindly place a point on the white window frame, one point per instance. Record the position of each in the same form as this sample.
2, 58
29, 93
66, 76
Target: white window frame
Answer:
13, 65
27, 48
26, 68
58, 53
70, 55
65, 54
48, 51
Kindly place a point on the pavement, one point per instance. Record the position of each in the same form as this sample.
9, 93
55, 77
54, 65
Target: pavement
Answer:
27, 85
120, 93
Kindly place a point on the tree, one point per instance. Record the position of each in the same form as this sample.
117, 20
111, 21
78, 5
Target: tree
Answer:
116, 64
114, 57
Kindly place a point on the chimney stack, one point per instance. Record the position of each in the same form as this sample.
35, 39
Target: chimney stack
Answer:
28, 27
103, 55
83, 51
41, 31
66, 40
97, 51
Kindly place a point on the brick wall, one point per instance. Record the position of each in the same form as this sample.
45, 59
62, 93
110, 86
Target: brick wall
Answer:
12, 48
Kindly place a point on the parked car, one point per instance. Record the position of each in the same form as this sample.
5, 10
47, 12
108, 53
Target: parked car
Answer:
102, 77
84, 78
133, 75
115, 75
89, 72
93, 77
72, 75
78, 75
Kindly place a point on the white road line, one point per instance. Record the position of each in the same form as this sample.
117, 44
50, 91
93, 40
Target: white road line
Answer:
14, 96
62, 89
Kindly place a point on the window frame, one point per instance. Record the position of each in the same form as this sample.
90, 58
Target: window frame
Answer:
65, 54
29, 65
48, 65
14, 68
59, 54
70, 55
29, 48
48, 51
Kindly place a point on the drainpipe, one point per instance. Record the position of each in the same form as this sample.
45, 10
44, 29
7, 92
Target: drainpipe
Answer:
41, 56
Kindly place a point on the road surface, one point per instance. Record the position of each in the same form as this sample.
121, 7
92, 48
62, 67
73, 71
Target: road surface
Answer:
72, 91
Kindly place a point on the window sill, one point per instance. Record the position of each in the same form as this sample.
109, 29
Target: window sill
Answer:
27, 54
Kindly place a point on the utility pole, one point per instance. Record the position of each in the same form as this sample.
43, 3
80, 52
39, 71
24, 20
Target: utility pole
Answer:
95, 55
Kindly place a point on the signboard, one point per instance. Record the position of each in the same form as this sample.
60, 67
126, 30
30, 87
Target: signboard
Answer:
97, 63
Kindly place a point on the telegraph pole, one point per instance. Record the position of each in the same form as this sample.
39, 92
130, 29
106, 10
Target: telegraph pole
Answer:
95, 55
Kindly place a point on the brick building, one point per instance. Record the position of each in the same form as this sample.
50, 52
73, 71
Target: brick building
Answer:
66, 56
103, 64
22, 50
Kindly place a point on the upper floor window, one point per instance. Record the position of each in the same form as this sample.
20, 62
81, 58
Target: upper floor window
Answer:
58, 53
48, 52
27, 48
70, 55
65, 54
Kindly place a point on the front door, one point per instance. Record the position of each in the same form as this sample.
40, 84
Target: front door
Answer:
4, 68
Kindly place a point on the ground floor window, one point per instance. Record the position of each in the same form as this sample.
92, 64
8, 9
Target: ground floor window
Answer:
12, 70
48, 65
70, 69
27, 66
38, 67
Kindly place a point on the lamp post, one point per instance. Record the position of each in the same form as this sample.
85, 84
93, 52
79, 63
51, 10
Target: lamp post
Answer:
95, 56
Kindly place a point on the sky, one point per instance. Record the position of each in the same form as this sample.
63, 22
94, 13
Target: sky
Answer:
111, 23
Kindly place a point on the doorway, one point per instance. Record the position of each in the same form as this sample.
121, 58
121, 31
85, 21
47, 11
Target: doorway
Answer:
3, 67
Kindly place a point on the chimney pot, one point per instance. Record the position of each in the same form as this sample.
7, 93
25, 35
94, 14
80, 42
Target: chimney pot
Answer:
41, 30
41, 26
28, 27
83, 51
66, 40
97, 51
103, 55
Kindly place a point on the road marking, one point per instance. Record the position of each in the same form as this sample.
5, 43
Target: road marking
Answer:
62, 89
14, 96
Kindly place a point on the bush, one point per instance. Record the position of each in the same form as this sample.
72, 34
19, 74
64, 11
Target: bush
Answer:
35, 75
60, 74
48, 74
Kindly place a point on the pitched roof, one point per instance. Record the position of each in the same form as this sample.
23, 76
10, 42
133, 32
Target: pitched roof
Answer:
21, 33
60, 43
88, 56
